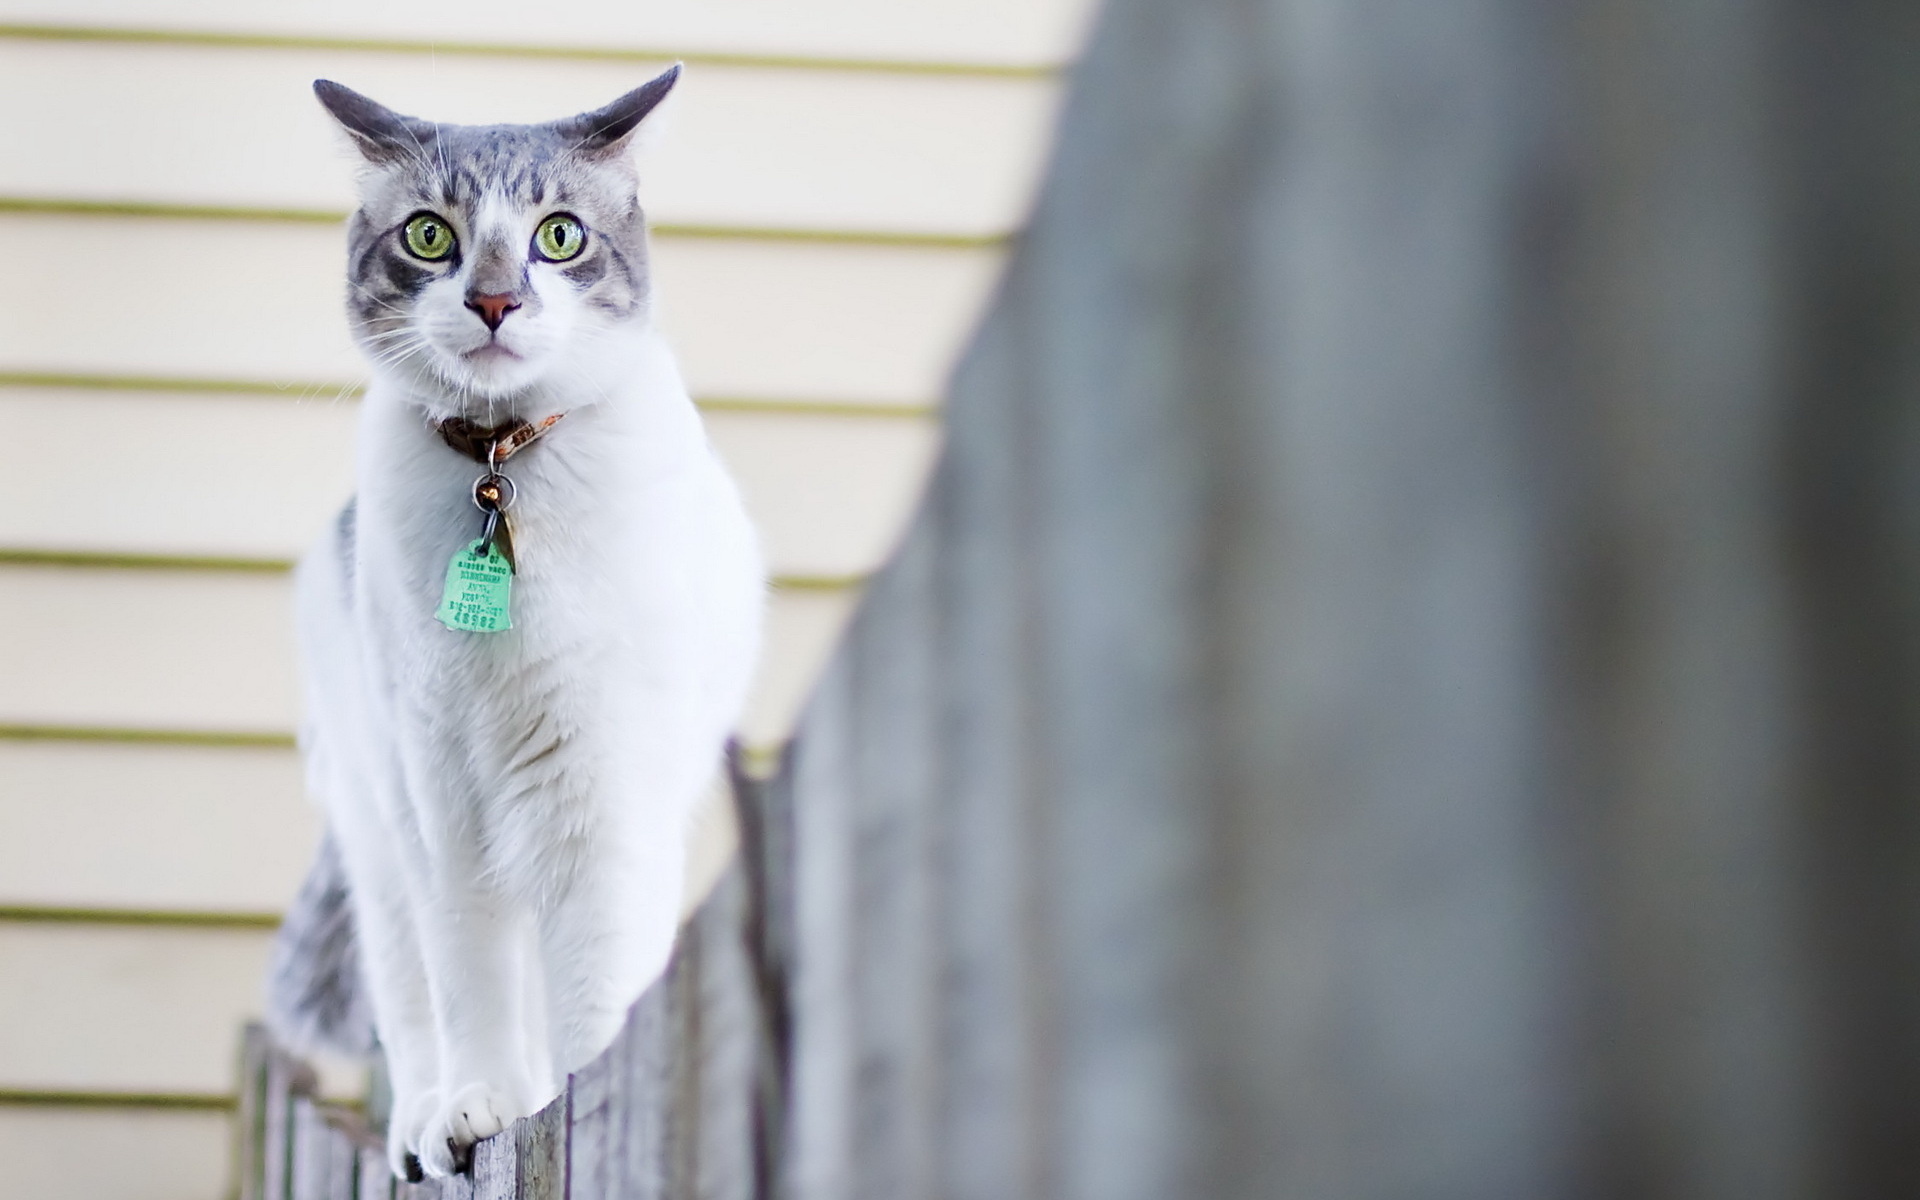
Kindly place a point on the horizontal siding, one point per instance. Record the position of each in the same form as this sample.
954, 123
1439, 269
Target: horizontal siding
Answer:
1020, 33
829, 495
802, 628
879, 324
125, 1009
214, 650
824, 237
736, 146
131, 834
259, 477
151, 827
261, 301
159, 649
114, 1154
248, 476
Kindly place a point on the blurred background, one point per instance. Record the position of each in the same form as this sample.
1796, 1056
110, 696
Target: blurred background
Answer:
832, 188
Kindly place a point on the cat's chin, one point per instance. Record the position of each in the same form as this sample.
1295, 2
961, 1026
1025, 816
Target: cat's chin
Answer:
493, 373
490, 354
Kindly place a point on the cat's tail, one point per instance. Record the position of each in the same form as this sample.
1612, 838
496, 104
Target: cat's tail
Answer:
316, 997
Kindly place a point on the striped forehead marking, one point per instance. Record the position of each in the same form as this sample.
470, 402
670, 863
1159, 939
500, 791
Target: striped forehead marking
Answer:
494, 183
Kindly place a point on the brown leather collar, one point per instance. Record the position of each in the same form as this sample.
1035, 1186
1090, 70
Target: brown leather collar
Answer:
491, 446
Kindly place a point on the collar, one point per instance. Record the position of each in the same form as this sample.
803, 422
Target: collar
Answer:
492, 445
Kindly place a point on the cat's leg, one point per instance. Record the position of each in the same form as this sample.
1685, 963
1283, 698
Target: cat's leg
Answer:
392, 964
474, 939
608, 934
354, 768
475, 947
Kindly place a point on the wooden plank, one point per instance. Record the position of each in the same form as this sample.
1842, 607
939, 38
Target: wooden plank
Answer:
226, 661
1109, 560
892, 994
739, 147
459, 1187
323, 1159
1004, 33
720, 1049
540, 1153
877, 324
432, 1189
306, 1151
496, 1168
991, 938
375, 1178
276, 1154
193, 828
250, 1119
264, 486
850, 323
642, 1095
346, 1136
828, 494
591, 1133
677, 1076
822, 1084
766, 940
69, 1154
125, 1008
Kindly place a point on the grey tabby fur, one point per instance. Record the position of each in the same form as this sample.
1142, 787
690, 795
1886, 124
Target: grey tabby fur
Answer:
316, 1000
457, 165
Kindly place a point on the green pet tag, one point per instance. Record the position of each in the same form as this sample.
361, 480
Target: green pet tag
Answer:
478, 584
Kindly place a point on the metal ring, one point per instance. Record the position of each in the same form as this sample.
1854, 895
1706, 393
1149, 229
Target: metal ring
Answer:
506, 499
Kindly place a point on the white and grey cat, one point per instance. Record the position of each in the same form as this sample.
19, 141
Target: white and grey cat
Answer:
508, 810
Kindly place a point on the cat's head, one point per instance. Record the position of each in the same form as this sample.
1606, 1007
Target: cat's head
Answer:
487, 260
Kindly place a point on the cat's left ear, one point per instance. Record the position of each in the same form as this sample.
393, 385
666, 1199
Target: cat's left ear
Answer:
606, 131
380, 133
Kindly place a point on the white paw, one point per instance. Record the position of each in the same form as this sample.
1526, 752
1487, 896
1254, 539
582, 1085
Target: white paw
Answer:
469, 1114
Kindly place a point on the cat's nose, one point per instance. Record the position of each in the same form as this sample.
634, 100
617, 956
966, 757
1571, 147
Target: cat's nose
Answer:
493, 308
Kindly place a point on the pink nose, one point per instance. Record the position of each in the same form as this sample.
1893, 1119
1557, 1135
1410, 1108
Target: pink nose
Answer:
493, 309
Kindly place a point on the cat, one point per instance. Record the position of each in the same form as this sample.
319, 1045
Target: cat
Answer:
509, 722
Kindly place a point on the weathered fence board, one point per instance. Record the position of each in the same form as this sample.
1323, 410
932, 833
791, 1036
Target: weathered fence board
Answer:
250, 1116
1406, 681
674, 1108
376, 1179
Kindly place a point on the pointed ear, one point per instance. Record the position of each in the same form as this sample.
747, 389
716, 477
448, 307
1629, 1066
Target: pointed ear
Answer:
381, 134
606, 131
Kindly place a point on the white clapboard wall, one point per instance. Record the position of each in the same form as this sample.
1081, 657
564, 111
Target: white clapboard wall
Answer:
831, 190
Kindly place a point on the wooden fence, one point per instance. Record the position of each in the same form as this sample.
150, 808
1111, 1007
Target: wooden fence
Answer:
1406, 681
687, 1102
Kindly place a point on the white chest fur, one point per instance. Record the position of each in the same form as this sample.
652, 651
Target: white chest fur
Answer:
512, 807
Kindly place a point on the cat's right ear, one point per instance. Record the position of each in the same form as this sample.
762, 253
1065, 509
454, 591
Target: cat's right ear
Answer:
379, 133
605, 132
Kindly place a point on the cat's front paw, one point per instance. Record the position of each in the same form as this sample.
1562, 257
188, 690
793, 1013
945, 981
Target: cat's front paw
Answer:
468, 1115
408, 1121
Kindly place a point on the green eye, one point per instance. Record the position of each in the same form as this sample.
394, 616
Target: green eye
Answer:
559, 238
428, 237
